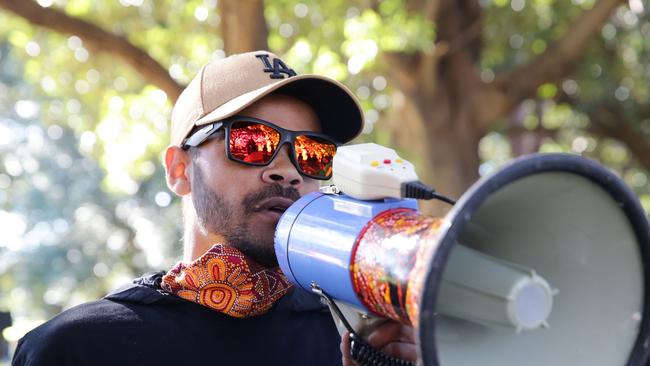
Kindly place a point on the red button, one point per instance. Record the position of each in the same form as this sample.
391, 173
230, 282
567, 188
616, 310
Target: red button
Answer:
386, 161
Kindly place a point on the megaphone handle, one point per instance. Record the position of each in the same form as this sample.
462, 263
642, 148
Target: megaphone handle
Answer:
360, 351
365, 354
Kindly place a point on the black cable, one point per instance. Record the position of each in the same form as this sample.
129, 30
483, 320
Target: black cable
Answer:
421, 191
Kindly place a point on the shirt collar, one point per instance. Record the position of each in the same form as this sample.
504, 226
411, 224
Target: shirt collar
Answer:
147, 290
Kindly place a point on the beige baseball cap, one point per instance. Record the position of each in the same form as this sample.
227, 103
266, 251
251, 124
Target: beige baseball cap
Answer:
224, 87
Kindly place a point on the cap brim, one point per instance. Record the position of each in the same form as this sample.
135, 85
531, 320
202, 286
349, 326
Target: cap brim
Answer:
339, 112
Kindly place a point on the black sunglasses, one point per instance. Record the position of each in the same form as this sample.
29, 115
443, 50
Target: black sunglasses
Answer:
256, 142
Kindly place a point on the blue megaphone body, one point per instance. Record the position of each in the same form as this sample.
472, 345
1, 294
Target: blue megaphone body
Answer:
323, 229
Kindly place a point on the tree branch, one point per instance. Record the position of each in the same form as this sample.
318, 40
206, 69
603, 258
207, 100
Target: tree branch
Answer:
99, 39
458, 28
610, 121
557, 61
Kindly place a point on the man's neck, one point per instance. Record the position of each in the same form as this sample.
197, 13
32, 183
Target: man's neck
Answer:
196, 241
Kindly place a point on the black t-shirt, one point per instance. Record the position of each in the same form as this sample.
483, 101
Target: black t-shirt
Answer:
143, 325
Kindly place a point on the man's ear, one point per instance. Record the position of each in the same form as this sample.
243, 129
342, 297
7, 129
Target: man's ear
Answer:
177, 173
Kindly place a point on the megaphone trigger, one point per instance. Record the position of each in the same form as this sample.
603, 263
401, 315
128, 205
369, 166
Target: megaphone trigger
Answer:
333, 307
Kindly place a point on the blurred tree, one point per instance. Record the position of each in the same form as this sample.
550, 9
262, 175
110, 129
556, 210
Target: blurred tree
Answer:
65, 239
431, 52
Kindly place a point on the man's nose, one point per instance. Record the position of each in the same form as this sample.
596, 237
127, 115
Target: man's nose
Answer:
282, 171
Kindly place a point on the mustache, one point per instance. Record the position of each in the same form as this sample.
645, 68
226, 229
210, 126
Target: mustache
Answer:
275, 190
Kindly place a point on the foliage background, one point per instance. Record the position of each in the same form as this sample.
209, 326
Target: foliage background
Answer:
83, 203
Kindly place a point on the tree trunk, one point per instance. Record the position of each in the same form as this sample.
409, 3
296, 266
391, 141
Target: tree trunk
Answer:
453, 160
439, 131
243, 26
443, 143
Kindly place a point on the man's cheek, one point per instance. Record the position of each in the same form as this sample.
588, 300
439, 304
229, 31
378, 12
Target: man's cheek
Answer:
308, 188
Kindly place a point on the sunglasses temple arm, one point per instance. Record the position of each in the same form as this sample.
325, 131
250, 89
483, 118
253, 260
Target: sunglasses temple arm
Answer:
201, 135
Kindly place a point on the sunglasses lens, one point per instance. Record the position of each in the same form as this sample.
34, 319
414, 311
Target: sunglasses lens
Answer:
253, 143
314, 156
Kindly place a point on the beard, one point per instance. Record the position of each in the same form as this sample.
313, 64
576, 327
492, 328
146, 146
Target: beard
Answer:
232, 221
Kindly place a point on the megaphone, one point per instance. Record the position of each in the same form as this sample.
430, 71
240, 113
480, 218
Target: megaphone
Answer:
544, 262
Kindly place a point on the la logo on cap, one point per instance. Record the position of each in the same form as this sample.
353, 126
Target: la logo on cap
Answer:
277, 69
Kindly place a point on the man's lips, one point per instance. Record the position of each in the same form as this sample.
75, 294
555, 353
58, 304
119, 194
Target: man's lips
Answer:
274, 206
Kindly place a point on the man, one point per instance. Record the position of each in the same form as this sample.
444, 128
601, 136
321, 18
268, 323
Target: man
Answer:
248, 138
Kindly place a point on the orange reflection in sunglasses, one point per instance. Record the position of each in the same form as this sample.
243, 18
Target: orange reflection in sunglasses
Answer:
253, 143
313, 156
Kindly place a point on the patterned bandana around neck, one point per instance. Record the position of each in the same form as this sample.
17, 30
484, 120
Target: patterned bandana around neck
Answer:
225, 280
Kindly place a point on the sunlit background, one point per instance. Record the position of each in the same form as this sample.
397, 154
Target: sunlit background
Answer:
83, 203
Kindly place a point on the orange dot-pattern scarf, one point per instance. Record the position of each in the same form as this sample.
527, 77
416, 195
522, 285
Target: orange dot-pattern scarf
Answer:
225, 280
